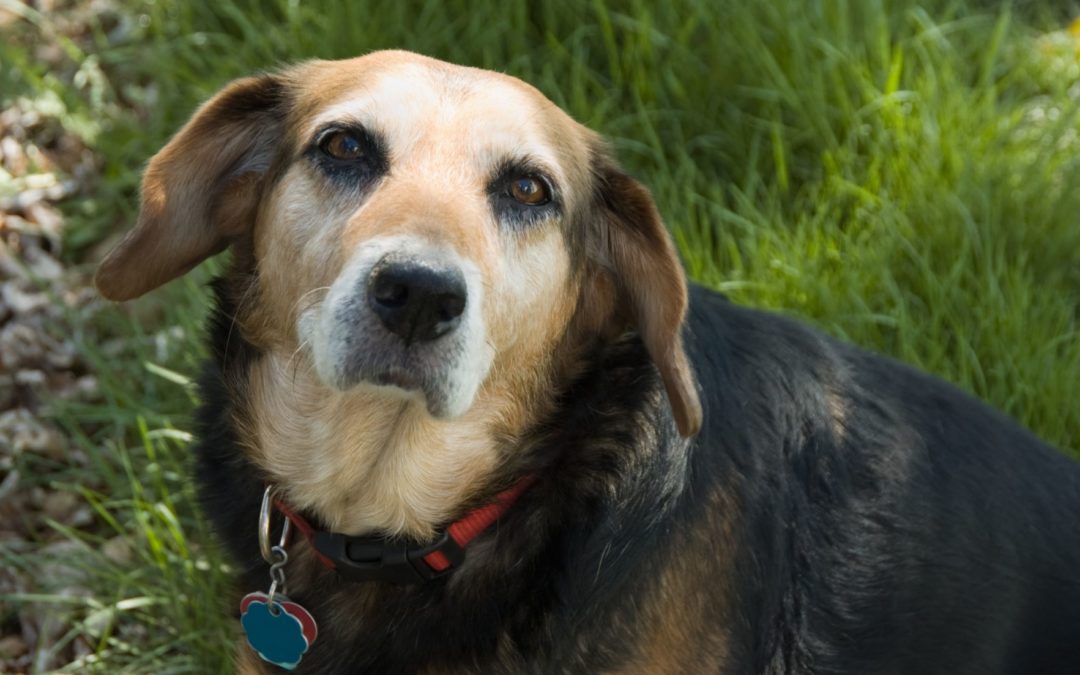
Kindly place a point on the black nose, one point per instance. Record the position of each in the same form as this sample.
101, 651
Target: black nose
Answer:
416, 300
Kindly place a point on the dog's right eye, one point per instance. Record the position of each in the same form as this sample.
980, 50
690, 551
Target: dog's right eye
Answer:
342, 146
350, 155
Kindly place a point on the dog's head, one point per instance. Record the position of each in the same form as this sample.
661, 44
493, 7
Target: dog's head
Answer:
416, 230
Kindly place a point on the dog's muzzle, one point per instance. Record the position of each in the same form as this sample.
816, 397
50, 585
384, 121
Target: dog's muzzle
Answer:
406, 316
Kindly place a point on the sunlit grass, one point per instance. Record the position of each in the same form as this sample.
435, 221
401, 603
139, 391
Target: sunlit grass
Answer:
903, 174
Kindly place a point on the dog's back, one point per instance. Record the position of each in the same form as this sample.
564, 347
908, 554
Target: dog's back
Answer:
889, 522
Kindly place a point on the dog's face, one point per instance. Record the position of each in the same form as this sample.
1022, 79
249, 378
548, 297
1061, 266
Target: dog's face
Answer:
415, 232
429, 232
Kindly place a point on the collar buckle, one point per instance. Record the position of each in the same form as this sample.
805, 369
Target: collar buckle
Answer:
374, 558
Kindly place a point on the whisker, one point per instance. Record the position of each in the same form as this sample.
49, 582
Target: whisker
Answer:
293, 362
232, 322
305, 295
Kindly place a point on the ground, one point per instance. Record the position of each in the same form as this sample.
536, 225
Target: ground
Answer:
905, 174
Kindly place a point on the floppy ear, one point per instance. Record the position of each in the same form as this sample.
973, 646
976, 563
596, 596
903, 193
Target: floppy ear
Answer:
200, 191
650, 283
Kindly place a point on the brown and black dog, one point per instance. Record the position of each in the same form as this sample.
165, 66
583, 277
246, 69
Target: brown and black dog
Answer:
445, 299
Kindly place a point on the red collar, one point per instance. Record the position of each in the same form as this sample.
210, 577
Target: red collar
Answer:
377, 558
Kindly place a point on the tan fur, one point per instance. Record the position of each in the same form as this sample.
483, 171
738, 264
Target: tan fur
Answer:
367, 462
247, 662
837, 413
681, 636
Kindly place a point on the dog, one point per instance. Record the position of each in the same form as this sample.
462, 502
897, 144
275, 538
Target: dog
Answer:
455, 349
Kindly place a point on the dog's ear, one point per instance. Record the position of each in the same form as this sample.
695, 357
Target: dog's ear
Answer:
200, 191
650, 285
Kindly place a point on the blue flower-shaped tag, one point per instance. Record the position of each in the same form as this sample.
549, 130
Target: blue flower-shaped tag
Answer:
280, 632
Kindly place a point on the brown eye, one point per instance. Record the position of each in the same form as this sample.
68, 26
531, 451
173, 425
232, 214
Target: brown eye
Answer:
342, 145
529, 190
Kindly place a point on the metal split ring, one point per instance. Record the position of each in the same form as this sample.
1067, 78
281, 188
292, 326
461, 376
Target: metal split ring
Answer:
266, 512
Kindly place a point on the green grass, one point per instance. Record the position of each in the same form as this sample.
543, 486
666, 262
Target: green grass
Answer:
904, 174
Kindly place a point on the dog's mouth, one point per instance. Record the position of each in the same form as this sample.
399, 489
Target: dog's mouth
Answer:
396, 377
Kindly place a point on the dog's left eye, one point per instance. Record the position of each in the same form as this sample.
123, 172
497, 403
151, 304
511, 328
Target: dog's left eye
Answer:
529, 190
522, 194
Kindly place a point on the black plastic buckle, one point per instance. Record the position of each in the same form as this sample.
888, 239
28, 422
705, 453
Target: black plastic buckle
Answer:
381, 559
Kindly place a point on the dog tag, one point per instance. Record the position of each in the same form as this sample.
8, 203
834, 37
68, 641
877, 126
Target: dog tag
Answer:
279, 630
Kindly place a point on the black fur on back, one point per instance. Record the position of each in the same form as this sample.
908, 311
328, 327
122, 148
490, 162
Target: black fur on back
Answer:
876, 520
